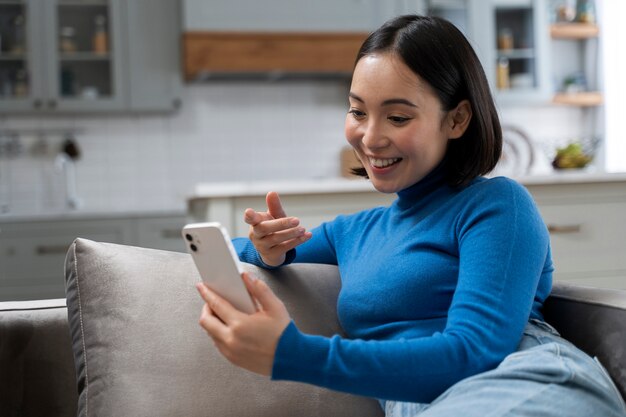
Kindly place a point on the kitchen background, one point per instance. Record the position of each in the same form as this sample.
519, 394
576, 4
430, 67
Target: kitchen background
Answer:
241, 131
142, 148
229, 130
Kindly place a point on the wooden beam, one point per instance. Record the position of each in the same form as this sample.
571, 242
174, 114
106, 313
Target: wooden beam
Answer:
252, 52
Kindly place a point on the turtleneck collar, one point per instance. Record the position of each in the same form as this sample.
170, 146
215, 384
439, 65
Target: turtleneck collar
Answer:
432, 181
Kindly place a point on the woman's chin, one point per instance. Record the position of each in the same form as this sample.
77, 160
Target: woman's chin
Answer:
384, 186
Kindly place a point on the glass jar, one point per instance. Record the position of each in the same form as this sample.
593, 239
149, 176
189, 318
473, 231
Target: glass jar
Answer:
17, 46
100, 38
503, 77
67, 42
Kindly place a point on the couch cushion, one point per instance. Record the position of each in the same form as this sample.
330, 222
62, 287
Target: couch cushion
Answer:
36, 363
139, 350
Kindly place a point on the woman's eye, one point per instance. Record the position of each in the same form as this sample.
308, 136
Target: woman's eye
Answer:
398, 119
357, 114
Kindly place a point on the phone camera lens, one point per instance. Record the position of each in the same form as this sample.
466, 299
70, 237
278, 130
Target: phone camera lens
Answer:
188, 237
193, 247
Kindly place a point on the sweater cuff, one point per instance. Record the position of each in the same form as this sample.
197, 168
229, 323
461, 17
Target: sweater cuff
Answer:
288, 361
248, 253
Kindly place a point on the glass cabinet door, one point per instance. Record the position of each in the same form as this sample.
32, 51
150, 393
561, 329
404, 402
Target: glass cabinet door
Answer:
513, 48
19, 84
84, 66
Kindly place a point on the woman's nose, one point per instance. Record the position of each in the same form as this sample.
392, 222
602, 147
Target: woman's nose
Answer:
374, 137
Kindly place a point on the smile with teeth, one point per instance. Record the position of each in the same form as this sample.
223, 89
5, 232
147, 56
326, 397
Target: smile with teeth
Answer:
383, 163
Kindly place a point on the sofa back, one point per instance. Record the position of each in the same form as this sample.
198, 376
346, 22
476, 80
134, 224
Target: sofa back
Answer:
37, 364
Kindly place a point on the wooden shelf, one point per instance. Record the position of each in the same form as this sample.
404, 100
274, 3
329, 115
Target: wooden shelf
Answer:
574, 30
262, 52
585, 99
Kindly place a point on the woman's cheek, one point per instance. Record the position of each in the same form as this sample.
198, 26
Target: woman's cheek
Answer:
350, 131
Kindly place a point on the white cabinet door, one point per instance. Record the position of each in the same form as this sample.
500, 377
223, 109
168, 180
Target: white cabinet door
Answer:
587, 231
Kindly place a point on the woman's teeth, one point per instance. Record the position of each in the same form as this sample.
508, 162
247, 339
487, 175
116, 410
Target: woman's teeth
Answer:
382, 163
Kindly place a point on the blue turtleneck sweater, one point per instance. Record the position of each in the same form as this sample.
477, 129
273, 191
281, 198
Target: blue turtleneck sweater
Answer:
435, 288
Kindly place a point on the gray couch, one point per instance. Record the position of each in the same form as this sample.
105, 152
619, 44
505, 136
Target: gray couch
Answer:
128, 343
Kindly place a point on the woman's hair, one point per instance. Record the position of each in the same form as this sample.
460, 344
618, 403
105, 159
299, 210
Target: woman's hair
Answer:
436, 51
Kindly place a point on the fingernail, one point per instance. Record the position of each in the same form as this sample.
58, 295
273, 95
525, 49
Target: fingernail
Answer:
294, 222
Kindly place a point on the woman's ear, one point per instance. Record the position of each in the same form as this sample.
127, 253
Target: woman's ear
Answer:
458, 119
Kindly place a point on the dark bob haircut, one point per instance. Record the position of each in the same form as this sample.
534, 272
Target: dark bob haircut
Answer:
436, 51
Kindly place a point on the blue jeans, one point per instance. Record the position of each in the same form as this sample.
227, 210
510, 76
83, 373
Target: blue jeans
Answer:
547, 376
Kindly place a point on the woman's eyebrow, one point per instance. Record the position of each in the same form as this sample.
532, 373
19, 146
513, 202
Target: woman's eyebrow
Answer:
354, 96
386, 102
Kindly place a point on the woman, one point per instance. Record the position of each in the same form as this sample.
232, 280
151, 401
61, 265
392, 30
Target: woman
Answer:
442, 291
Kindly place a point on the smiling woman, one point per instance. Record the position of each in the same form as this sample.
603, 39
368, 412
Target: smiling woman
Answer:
441, 292
383, 123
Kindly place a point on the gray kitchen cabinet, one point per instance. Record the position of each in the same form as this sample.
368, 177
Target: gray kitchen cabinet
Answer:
89, 56
153, 55
161, 233
32, 253
511, 39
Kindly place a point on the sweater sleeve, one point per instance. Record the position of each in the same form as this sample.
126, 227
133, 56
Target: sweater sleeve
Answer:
503, 246
319, 249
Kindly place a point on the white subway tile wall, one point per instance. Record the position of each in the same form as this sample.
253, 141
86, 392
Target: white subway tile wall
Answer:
226, 131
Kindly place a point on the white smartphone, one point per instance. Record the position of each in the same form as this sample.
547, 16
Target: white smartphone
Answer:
217, 262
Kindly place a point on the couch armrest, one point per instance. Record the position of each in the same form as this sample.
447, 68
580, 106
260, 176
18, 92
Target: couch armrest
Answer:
594, 319
36, 364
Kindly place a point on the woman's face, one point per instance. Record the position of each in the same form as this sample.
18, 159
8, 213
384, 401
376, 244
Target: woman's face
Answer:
395, 124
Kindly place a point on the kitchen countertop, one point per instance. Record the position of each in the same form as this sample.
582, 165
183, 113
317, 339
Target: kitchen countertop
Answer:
344, 185
260, 188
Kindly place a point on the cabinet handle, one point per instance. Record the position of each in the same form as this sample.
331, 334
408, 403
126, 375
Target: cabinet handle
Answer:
37, 104
52, 104
51, 249
171, 234
566, 228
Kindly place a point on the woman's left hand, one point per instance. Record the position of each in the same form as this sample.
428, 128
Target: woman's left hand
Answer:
246, 340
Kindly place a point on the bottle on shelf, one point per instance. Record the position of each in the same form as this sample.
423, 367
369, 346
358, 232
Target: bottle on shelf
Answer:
67, 43
20, 88
505, 39
17, 46
502, 74
100, 37
585, 11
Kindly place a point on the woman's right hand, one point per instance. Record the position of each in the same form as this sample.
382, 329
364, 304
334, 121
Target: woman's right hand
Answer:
272, 233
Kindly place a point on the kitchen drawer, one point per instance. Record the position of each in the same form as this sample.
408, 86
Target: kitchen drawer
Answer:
161, 233
587, 238
32, 255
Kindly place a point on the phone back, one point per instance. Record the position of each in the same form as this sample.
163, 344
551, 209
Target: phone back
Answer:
218, 263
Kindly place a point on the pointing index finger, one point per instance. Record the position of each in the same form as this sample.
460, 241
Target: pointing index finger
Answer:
274, 206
